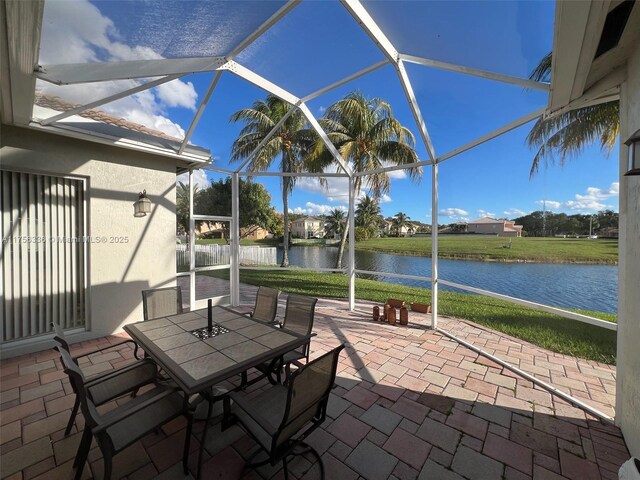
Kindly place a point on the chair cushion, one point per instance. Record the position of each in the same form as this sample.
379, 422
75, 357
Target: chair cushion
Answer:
262, 414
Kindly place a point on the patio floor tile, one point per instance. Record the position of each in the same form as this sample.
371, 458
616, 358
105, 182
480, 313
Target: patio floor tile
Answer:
381, 418
476, 466
439, 435
348, 429
410, 404
408, 448
371, 461
510, 453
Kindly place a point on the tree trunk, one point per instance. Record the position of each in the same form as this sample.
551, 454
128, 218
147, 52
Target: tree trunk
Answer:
343, 241
285, 214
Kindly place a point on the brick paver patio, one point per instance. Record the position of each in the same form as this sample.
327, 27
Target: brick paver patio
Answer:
410, 403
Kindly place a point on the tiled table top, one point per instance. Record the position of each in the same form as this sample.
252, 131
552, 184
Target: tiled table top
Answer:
196, 364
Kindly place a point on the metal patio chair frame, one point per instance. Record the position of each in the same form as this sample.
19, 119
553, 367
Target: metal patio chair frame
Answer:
275, 417
107, 386
121, 427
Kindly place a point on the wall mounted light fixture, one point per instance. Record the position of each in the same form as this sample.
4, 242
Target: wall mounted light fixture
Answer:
633, 168
142, 206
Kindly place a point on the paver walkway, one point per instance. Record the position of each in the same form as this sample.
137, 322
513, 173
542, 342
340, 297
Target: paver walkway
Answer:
410, 403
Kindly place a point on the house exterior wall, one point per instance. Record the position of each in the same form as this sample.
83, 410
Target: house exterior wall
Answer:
307, 228
254, 233
628, 358
116, 272
485, 228
497, 228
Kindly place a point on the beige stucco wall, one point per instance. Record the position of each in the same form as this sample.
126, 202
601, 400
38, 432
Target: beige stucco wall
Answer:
117, 271
485, 228
628, 369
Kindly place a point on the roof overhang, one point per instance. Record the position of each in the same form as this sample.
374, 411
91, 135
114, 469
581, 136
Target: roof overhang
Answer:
21, 27
579, 78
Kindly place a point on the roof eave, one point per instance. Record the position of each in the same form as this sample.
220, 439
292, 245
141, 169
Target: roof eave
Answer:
184, 160
578, 79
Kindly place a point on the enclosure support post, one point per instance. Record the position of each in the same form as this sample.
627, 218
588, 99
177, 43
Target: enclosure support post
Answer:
434, 246
234, 274
351, 266
192, 247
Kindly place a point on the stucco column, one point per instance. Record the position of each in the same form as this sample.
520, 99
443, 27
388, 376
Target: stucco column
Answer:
628, 355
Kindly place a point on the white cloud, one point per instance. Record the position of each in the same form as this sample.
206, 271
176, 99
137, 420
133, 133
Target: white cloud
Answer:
77, 32
315, 209
585, 204
337, 188
592, 201
514, 212
199, 178
454, 213
178, 94
485, 213
385, 198
395, 174
549, 204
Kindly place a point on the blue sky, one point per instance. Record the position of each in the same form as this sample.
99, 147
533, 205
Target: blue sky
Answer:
319, 43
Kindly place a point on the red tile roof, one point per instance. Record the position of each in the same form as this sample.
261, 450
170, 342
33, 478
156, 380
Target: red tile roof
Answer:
56, 103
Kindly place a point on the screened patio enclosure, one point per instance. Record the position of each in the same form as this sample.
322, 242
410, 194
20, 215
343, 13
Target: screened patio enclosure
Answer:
256, 48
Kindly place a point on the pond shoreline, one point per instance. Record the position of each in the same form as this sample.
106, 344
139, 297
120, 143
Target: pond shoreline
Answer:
484, 258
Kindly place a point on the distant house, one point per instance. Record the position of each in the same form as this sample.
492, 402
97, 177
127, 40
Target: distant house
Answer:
308, 227
491, 226
211, 230
405, 231
254, 232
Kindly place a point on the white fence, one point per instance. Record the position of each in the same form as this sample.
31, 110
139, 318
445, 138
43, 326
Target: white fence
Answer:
216, 254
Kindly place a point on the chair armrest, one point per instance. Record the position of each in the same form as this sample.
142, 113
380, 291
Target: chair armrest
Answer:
120, 371
107, 348
113, 417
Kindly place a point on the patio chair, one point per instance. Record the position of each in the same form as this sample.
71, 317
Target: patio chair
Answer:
110, 385
161, 302
266, 306
275, 417
126, 424
298, 317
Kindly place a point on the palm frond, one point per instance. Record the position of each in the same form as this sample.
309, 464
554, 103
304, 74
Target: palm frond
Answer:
565, 136
542, 72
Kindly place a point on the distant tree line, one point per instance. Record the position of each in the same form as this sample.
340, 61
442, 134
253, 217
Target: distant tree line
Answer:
537, 224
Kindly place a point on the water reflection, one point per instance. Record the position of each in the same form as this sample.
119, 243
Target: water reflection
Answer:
589, 287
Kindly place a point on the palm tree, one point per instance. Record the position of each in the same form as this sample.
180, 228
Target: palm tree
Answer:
368, 215
335, 222
368, 137
287, 144
400, 221
565, 135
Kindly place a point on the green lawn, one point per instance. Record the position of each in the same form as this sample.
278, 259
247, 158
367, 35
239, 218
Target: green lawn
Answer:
552, 332
548, 250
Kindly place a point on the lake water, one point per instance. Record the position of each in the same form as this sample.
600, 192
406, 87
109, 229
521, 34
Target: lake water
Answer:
589, 287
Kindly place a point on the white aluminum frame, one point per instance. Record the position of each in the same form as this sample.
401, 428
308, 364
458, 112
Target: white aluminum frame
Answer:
170, 69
